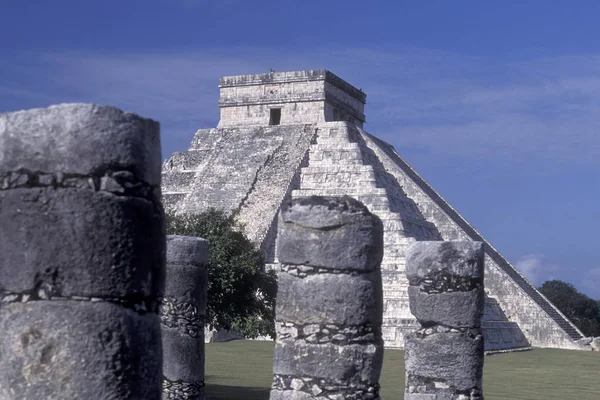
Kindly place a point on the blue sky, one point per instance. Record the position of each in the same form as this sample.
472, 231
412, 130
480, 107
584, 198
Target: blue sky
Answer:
495, 103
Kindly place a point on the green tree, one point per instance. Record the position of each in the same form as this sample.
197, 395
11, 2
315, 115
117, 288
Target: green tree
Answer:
241, 295
583, 311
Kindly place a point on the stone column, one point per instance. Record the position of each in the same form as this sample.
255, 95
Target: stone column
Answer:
444, 358
82, 254
182, 313
329, 301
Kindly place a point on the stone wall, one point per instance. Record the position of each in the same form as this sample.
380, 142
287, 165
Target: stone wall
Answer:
259, 115
244, 170
251, 169
304, 97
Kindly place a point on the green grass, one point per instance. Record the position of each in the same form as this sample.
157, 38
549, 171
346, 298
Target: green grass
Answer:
242, 370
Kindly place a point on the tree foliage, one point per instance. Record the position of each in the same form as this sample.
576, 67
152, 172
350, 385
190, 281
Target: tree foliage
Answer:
583, 311
241, 295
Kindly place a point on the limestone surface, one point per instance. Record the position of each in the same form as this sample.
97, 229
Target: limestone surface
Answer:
182, 312
79, 226
81, 140
445, 356
67, 349
251, 167
329, 304
83, 254
446, 280
341, 237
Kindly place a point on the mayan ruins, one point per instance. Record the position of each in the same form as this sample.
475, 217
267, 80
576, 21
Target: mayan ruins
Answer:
444, 357
97, 301
182, 312
289, 135
329, 301
83, 254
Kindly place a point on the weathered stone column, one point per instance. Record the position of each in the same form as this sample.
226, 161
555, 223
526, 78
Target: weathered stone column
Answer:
82, 254
182, 313
444, 359
329, 301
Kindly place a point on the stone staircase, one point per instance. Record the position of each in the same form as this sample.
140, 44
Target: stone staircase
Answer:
338, 166
551, 310
452, 223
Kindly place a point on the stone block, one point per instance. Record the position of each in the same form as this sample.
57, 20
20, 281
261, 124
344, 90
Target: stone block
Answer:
425, 396
183, 356
83, 254
187, 250
80, 139
333, 233
595, 344
187, 283
67, 350
453, 309
290, 395
78, 242
328, 361
452, 358
457, 266
330, 299
182, 313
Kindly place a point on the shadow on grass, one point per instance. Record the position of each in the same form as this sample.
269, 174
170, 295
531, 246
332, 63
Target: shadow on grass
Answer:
229, 392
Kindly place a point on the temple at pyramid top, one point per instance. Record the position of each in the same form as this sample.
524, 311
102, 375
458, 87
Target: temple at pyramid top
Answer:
284, 135
287, 98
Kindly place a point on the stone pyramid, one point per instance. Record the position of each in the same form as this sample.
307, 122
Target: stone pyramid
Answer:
292, 134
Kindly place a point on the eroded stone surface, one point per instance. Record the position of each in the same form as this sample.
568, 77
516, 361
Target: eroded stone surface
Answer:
351, 364
445, 266
187, 250
55, 236
83, 254
252, 168
444, 358
78, 350
595, 344
339, 299
80, 139
343, 234
454, 309
452, 358
329, 312
182, 313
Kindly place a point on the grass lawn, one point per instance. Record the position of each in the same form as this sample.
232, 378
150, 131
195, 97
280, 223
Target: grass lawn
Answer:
242, 370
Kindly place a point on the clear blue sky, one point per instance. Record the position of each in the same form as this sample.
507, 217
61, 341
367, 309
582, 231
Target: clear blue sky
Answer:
495, 103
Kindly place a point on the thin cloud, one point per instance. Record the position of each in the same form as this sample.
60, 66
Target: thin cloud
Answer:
444, 103
535, 269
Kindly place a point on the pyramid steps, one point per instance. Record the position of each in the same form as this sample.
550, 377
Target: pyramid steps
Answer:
354, 192
338, 167
250, 168
560, 319
434, 207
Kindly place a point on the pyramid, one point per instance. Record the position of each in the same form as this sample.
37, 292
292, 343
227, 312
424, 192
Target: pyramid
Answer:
283, 135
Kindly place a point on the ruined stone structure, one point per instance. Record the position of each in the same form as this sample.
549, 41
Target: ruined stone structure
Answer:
291, 135
82, 249
182, 312
595, 344
444, 357
329, 301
